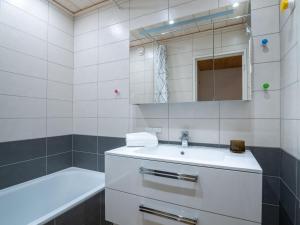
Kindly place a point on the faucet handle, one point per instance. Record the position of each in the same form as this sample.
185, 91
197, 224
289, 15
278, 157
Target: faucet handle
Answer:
185, 134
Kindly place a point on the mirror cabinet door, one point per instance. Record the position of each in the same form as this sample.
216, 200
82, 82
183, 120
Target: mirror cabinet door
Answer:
201, 57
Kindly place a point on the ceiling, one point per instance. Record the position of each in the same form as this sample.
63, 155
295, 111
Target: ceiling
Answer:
76, 6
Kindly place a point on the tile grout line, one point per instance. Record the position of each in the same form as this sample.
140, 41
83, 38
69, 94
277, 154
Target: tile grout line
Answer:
98, 74
73, 72
47, 71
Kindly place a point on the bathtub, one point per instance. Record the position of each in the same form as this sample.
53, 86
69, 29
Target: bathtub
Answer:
43, 199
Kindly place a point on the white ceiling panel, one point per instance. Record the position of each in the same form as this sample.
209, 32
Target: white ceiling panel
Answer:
75, 6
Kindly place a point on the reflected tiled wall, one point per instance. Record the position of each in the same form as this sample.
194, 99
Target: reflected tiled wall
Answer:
36, 78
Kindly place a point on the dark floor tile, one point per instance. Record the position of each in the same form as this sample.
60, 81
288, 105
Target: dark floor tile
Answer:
270, 215
109, 143
50, 223
284, 218
298, 213
21, 172
16, 151
59, 162
59, 144
287, 204
271, 190
87, 213
269, 159
85, 160
288, 170
101, 163
85, 143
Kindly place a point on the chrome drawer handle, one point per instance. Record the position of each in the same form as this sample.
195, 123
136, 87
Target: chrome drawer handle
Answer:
171, 175
167, 215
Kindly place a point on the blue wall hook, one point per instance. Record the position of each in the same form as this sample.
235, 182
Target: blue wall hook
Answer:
264, 42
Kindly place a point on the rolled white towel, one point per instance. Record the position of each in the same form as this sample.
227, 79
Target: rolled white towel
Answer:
142, 139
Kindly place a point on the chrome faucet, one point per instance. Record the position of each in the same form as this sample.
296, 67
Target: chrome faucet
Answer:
185, 138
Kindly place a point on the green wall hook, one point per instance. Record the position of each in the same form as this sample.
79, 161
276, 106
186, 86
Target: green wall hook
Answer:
266, 86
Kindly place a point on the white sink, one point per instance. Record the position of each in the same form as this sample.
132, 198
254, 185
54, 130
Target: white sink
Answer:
195, 155
178, 152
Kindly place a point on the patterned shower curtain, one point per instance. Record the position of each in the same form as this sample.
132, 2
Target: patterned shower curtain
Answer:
160, 75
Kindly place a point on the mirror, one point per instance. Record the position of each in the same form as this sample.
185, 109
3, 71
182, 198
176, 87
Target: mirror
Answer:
202, 57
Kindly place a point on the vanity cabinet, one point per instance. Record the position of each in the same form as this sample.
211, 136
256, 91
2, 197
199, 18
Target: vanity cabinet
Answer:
125, 209
142, 191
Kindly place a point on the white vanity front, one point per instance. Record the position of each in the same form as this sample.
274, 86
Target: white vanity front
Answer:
174, 185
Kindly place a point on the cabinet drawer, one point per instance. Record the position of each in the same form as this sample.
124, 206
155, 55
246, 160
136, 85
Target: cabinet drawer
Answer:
127, 209
226, 192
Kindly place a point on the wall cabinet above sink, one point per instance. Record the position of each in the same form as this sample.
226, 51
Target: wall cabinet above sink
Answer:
200, 57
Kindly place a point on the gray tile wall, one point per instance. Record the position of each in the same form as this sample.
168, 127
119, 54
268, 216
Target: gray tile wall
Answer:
21, 161
289, 190
88, 151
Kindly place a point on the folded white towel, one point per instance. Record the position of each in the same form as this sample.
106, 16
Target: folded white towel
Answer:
142, 139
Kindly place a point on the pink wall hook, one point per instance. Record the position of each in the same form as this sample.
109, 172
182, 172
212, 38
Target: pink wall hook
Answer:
117, 92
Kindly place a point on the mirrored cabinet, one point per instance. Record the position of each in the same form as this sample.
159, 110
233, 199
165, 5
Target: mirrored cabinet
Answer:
200, 57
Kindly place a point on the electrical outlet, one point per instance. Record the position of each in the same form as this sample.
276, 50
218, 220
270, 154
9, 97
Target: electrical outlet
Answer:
153, 129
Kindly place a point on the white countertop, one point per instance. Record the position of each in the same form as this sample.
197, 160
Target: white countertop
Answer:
220, 158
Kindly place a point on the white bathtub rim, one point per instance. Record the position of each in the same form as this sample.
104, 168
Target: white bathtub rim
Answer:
64, 208
42, 178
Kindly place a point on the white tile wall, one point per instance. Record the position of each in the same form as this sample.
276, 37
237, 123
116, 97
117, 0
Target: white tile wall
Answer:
85, 126
33, 7
60, 38
60, 73
114, 52
19, 19
59, 126
87, 74
266, 72
20, 129
113, 127
201, 130
86, 57
43, 102
85, 91
59, 91
20, 63
265, 20
85, 109
36, 70
256, 4
271, 53
19, 41
258, 132
263, 105
86, 41
18, 85
290, 83
22, 107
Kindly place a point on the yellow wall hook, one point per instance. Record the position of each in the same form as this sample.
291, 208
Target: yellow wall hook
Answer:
286, 4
